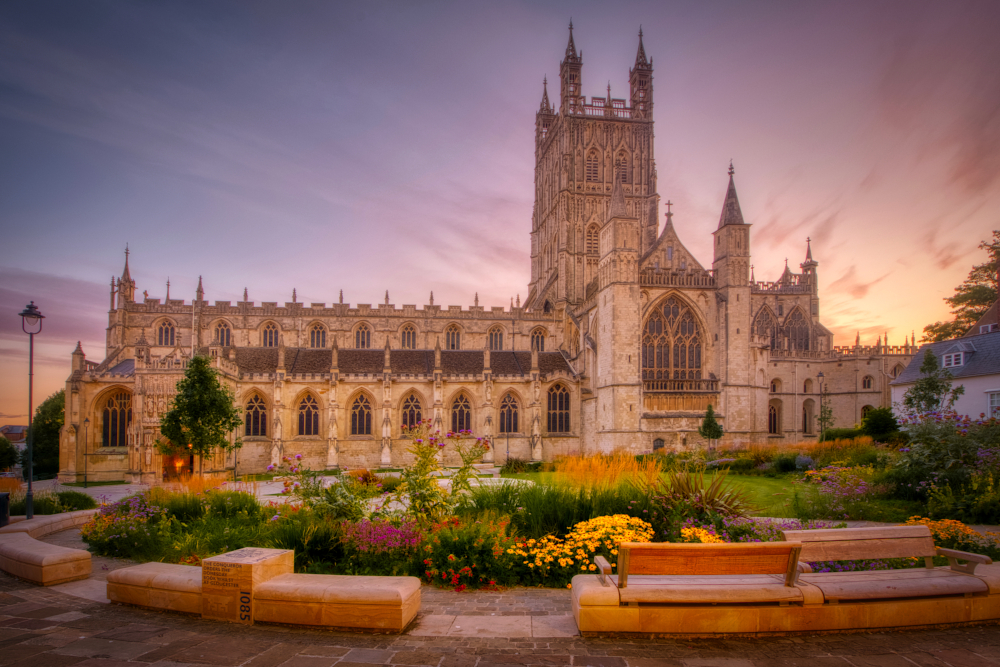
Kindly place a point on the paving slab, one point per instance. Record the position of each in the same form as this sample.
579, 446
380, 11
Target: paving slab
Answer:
491, 626
554, 626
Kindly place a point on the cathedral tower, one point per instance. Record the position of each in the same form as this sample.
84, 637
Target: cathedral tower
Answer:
580, 151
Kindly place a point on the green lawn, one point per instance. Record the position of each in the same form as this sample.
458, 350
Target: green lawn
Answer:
89, 484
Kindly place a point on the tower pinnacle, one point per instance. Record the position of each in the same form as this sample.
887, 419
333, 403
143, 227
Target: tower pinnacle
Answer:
731, 213
545, 106
571, 54
640, 56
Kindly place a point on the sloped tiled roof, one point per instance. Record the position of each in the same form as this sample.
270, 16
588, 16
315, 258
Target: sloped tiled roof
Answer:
982, 357
126, 367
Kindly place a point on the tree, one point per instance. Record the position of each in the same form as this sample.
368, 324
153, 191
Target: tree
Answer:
825, 419
202, 416
972, 298
933, 391
879, 423
44, 435
8, 454
710, 429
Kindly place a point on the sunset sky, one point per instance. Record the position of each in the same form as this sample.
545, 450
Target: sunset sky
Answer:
321, 146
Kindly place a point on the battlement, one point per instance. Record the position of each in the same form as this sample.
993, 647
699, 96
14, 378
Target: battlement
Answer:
791, 283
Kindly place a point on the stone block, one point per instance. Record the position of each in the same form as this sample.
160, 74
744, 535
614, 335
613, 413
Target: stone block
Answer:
157, 586
229, 581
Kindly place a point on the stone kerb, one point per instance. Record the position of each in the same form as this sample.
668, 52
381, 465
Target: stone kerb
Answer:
228, 581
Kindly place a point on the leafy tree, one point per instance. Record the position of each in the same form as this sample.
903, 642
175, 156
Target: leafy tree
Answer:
44, 435
933, 391
710, 429
8, 454
202, 416
825, 419
879, 423
972, 298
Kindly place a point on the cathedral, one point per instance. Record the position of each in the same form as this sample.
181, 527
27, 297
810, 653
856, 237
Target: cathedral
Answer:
623, 342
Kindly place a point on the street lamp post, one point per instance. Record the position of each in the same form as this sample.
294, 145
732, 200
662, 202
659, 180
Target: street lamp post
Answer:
86, 454
30, 319
822, 405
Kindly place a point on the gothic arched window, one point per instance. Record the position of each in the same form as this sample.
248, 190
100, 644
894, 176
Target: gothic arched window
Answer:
452, 338
807, 387
269, 335
409, 337
775, 386
363, 337
896, 370
558, 411
621, 168
361, 416
671, 347
166, 334
797, 331
591, 167
308, 416
865, 410
495, 336
592, 240
774, 418
223, 334
317, 336
765, 327
538, 340
117, 417
508, 414
256, 417
867, 382
411, 412
461, 414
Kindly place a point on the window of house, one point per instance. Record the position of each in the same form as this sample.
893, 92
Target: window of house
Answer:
452, 338
363, 337
269, 335
496, 339
461, 414
508, 414
223, 335
411, 412
117, 418
317, 336
308, 416
558, 412
361, 416
165, 334
995, 404
867, 382
986, 328
538, 340
952, 360
409, 337
256, 417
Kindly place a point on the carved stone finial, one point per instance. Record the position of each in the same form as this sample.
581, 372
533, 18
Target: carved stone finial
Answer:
387, 297
432, 298
342, 296
477, 299
245, 295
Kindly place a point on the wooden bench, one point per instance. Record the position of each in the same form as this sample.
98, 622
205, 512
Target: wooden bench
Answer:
24, 556
915, 542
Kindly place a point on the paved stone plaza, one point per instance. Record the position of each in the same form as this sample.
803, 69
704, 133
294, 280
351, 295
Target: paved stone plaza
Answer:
50, 627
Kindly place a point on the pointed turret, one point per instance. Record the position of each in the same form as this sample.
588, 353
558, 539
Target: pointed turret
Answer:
640, 55
570, 77
731, 213
640, 79
200, 292
857, 340
617, 208
546, 106
126, 286
78, 358
810, 264
571, 54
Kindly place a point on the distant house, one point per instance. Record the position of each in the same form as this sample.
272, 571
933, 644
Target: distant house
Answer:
16, 434
990, 321
973, 360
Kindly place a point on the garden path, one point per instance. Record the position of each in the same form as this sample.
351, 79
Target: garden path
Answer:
48, 627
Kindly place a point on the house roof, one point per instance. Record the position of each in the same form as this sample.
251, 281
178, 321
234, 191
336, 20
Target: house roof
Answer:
981, 357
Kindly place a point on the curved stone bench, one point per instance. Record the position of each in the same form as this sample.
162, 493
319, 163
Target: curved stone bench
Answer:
25, 557
158, 586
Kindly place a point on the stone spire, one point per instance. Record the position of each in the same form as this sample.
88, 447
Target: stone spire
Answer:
571, 54
617, 209
78, 358
731, 213
476, 303
387, 298
342, 296
200, 292
640, 56
126, 275
245, 295
810, 263
168, 290
432, 298
857, 340
545, 106
752, 279
608, 109
295, 295
126, 286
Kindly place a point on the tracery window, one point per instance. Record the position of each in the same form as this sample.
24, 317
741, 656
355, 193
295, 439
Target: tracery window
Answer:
766, 327
166, 335
256, 417
361, 416
411, 412
865, 410
867, 382
592, 240
308, 416
317, 336
896, 370
117, 418
558, 412
461, 414
223, 334
495, 336
452, 338
773, 419
409, 337
621, 168
538, 340
591, 167
508, 414
269, 335
797, 331
671, 347
363, 337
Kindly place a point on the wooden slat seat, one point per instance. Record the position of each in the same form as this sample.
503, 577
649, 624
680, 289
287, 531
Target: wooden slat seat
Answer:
712, 589
893, 584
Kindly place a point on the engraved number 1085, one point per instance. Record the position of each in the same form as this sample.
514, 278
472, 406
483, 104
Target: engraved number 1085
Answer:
244, 606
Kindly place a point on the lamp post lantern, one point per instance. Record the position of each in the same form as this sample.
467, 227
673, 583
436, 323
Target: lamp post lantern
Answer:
31, 324
86, 454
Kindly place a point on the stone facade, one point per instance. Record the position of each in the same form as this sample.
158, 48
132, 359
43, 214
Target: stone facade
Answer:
623, 342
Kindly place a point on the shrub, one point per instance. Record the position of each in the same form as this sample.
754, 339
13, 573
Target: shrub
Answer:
43, 502
841, 433
468, 553
977, 501
683, 496
316, 540
76, 500
390, 483
785, 463
379, 547
804, 462
130, 528
951, 534
516, 465
879, 424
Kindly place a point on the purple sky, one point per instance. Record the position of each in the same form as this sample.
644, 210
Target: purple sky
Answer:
390, 146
